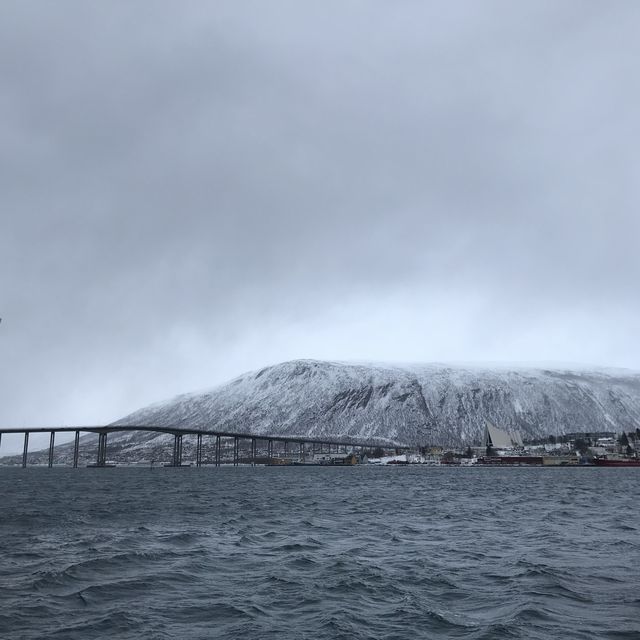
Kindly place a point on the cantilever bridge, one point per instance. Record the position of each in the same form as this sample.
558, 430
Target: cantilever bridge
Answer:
178, 433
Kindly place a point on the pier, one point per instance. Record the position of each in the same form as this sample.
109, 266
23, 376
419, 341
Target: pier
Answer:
263, 449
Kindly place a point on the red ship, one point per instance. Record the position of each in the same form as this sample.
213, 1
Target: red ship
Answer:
616, 462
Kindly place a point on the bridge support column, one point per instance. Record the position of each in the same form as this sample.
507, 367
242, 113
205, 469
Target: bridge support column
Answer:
235, 451
217, 451
102, 450
302, 452
52, 439
177, 450
199, 450
76, 444
253, 452
26, 448
270, 451
286, 448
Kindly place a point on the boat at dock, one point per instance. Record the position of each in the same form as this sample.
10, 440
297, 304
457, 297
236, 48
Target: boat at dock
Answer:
616, 462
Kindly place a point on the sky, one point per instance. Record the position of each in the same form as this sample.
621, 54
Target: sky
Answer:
192, 190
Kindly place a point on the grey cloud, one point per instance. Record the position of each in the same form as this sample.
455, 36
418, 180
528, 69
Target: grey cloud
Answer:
181, 184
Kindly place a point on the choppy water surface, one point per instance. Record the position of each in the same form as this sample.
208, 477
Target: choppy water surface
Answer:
320, 553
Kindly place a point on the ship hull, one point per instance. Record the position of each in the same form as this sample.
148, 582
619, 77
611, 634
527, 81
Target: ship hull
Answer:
616, 463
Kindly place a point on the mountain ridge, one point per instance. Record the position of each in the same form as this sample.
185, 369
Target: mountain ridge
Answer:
412, 403
395, 404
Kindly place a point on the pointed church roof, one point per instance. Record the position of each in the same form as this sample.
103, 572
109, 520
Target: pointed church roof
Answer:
499, 439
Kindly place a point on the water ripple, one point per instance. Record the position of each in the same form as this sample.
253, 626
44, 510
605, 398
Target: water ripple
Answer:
319, 553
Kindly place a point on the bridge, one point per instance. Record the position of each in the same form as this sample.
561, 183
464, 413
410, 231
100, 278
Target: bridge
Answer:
178, 434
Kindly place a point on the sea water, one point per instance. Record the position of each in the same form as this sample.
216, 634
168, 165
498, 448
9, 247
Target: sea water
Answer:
319, 552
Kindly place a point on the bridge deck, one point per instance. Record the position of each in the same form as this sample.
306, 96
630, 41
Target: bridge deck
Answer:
179, 432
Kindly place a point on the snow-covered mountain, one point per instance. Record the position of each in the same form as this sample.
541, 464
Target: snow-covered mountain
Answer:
406, 404
395, 404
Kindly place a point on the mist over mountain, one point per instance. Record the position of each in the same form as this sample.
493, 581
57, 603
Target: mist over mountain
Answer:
413, 404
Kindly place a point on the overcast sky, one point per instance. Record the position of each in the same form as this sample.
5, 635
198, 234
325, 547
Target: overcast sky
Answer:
192, 190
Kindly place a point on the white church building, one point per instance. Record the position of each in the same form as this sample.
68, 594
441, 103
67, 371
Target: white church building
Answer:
498, 439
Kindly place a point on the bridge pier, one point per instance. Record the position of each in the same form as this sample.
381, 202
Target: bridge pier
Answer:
76, 444
272, 446
52, 439
26, 448
102, 450
177, 450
